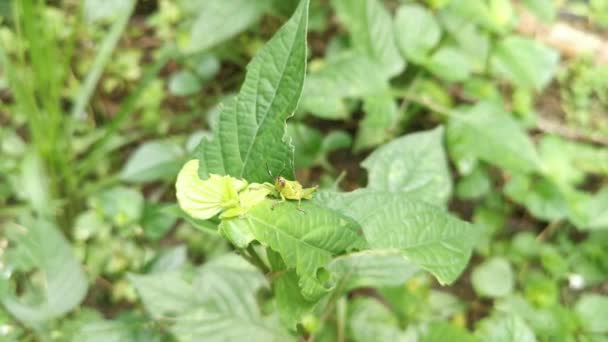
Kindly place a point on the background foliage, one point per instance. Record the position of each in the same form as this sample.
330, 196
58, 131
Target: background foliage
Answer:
462, 162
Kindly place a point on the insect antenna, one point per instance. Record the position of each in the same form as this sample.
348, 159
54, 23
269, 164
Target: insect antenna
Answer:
270, 172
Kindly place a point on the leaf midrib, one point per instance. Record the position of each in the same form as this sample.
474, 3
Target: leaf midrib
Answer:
283, 232
274, 96
471, 124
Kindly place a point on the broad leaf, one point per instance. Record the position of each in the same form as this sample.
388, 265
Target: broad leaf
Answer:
41, 246
34, 184
210, 28
371, 28
548, 322
541, 197
525, 62
170, 260
152, 161
474, 185
120, 205
451, 64
508, 328
350, 75
493, 278
291, 304
592, 309
489, 133
545, 10
487, 14
417, 32
425, 234
125, 328
371, 268
312, 147
470, 39
306, 239
100, 10
588, 211
370, 320
251, 128
184, 83
380, 121
415, 164
165, 294
218, 305
443, 331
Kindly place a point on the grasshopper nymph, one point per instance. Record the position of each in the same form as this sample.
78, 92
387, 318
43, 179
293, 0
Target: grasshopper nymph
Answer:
290, 190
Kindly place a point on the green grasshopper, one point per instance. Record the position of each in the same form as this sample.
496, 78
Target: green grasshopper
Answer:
289, 190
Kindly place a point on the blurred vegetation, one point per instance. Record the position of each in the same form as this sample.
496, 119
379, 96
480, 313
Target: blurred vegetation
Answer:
103, 101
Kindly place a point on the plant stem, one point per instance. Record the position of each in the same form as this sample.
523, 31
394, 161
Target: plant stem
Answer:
549, 230
256, 260
341, 318
425, 102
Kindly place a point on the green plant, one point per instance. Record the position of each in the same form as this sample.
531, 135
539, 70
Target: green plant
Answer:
380, 222
439, 181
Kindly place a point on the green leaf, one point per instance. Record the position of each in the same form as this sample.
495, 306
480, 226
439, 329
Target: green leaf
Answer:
371, 28
501, 14
417, 32
525, 62
218, 305
379, 123
474, 185
152, 161
589, 211
549, 323
206, 66
541, 197
592, 309
65, 283
470, 39
370, 320
312, 147
165, 294
371, 268
335, 140
170, 260
157, 220
306, 240
184, 83
425, 234
118, 330
210, 28
120, 205
291, 304
349, 75
414, 164
307, 142
545, 10
102, 10
34, 184
442, 331
251, 129
489, 133
573, 155
450, 64
563, 162
493, 278
485, 13
509, 328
